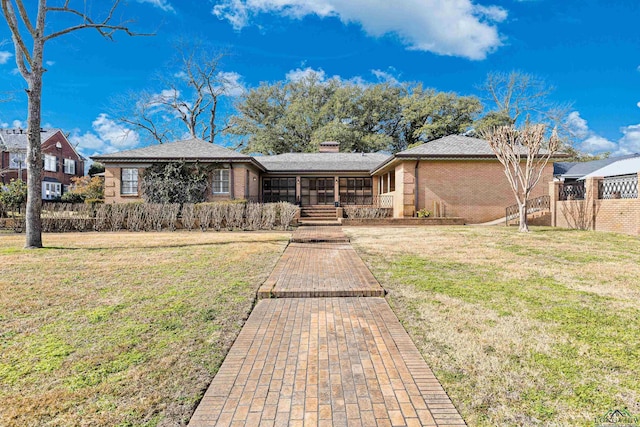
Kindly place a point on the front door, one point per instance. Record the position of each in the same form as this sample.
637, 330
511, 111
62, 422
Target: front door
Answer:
317, 191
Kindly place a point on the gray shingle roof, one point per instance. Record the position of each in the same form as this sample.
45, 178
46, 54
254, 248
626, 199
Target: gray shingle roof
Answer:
580, 169
13, 140
317, 162
453, 146
188, 149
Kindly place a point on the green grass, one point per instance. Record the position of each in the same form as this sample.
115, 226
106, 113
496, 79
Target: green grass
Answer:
522, 329
122, 329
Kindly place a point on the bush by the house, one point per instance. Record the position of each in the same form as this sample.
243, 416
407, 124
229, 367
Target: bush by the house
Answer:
175, 183
13, 195
85, 189
365, 212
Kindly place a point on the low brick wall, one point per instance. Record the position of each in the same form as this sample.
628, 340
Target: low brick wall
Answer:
403, 221
591, 213
618, 215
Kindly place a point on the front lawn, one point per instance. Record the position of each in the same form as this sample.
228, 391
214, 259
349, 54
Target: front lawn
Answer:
521, 329
122, 329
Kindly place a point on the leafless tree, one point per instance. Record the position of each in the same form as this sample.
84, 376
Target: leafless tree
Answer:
517, 97
191, 90
524, 153
25, 29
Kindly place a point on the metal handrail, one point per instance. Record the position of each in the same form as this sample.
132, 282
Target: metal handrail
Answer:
536, 204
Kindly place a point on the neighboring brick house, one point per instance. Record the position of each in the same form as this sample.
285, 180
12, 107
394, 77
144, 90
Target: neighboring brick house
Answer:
457, 175
61, 162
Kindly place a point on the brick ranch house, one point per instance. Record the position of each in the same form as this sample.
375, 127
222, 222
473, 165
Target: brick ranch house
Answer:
455, 176
61, 161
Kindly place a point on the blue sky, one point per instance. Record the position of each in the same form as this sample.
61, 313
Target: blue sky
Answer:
587, 49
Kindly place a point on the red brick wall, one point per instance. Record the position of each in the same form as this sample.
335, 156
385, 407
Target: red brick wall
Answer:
476, 190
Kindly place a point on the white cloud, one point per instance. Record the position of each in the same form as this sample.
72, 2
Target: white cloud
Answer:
5, 56
19, 124
577, 125
232, 84
386, 76
50, 63
160, 4
630, 141
300, 74
597, 144
445, 27
592, 143
638, 104
108, 136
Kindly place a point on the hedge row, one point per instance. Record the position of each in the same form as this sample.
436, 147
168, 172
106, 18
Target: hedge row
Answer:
62, 217
366, 212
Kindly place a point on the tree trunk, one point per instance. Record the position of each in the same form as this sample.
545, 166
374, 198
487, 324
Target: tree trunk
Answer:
524, 227
34, 154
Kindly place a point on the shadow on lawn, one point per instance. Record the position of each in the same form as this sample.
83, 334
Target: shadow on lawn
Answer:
173, 246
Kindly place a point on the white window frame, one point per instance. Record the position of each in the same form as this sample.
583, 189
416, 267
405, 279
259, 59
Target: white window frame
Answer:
17, 160
221, 181
129, 179
51, 190
50, 163
69, 166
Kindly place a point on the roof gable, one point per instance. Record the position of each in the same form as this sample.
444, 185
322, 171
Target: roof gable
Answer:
17, 139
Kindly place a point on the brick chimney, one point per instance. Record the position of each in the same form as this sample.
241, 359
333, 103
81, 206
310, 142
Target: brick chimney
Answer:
330, 147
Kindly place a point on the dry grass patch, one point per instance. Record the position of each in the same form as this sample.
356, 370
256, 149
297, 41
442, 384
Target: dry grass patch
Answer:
122, 329
522, 329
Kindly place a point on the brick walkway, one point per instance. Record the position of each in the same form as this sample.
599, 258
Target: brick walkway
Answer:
332, 361
311, 234
320, 270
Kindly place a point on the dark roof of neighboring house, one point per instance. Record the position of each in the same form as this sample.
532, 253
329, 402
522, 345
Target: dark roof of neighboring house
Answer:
580, 169
188, 149
16, 139
320, 162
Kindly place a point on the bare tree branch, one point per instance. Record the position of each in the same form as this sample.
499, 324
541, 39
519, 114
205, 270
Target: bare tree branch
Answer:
190, 93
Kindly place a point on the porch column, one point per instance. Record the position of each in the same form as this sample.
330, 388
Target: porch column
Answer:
336, 189
232, 193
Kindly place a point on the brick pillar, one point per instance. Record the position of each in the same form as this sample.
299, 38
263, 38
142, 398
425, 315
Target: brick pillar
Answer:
591, 199
554, 195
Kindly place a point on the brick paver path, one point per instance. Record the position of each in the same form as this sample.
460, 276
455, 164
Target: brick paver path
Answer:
320, 270
312, 234
332, 361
